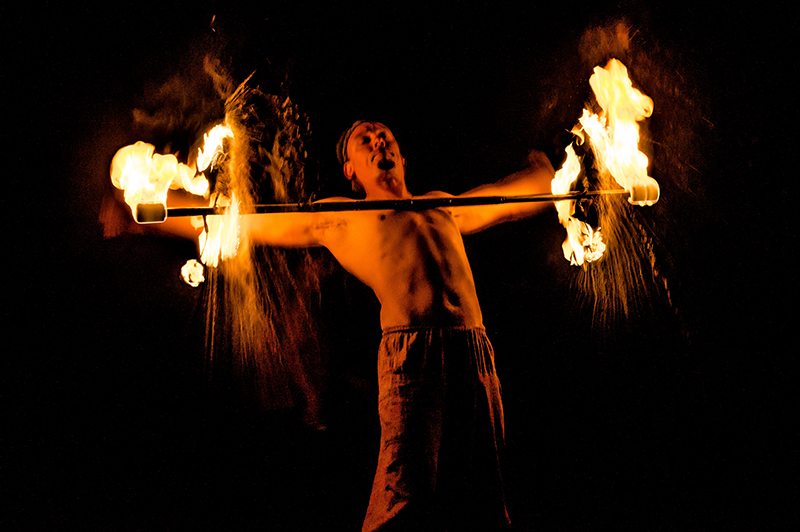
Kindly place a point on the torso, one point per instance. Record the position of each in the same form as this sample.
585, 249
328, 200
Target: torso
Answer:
415, 263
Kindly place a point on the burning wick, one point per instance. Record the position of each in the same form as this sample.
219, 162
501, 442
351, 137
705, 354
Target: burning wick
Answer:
614, 140
145, 178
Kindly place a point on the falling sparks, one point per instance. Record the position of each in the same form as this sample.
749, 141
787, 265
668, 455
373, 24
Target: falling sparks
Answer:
261, 303
613, 138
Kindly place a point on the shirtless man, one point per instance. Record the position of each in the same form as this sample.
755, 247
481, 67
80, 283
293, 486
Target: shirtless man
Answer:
439, 402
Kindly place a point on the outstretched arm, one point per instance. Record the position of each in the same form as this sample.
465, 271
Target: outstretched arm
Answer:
289, 230
534, 179
295, 229
117, 219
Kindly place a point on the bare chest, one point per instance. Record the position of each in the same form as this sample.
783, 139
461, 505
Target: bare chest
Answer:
382, 246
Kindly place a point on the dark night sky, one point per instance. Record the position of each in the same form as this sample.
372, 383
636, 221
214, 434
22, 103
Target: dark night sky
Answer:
661, 423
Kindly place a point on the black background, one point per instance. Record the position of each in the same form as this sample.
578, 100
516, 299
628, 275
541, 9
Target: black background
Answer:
678, 419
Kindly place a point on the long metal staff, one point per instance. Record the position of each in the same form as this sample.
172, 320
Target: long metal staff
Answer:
156, 212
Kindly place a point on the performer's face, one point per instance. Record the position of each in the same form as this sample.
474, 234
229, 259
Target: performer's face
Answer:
374, 159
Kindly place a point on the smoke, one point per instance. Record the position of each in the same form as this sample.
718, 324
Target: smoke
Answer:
174, 114
261, 307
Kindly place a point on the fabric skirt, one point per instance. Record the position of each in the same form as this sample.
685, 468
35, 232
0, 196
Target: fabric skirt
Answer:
439, 467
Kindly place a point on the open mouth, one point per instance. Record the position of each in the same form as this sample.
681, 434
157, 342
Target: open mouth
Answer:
386, 164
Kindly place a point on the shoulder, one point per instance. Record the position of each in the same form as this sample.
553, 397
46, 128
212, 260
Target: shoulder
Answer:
336, 199
437, 194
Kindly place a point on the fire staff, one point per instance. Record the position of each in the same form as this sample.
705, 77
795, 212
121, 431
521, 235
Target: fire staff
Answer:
439, 396
441, 414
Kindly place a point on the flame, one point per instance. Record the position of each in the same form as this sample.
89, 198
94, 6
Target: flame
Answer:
219, 239
145, 178
212, 146
614, 139
583, 242
192, 273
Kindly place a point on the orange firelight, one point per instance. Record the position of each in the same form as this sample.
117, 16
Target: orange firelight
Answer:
614, 139
145, 178
219, 239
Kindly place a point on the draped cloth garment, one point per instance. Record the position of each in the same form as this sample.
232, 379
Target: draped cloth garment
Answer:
441, 434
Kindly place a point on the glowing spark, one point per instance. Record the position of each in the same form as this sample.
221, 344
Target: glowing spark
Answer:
192, 273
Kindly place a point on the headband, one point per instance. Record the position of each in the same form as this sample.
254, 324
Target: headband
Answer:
341, 146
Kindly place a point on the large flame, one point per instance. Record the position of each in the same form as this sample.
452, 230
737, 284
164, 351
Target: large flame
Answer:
616, 142
614, 139
583, 243
145, 178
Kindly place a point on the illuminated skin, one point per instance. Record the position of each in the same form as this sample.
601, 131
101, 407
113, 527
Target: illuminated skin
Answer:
415, 262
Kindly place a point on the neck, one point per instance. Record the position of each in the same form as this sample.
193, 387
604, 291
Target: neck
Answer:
391, 188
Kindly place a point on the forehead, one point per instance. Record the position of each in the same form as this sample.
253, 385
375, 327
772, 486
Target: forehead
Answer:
362, 130
367, 127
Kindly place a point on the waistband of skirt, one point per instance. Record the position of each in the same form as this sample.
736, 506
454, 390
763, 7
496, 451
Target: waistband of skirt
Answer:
421, 328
